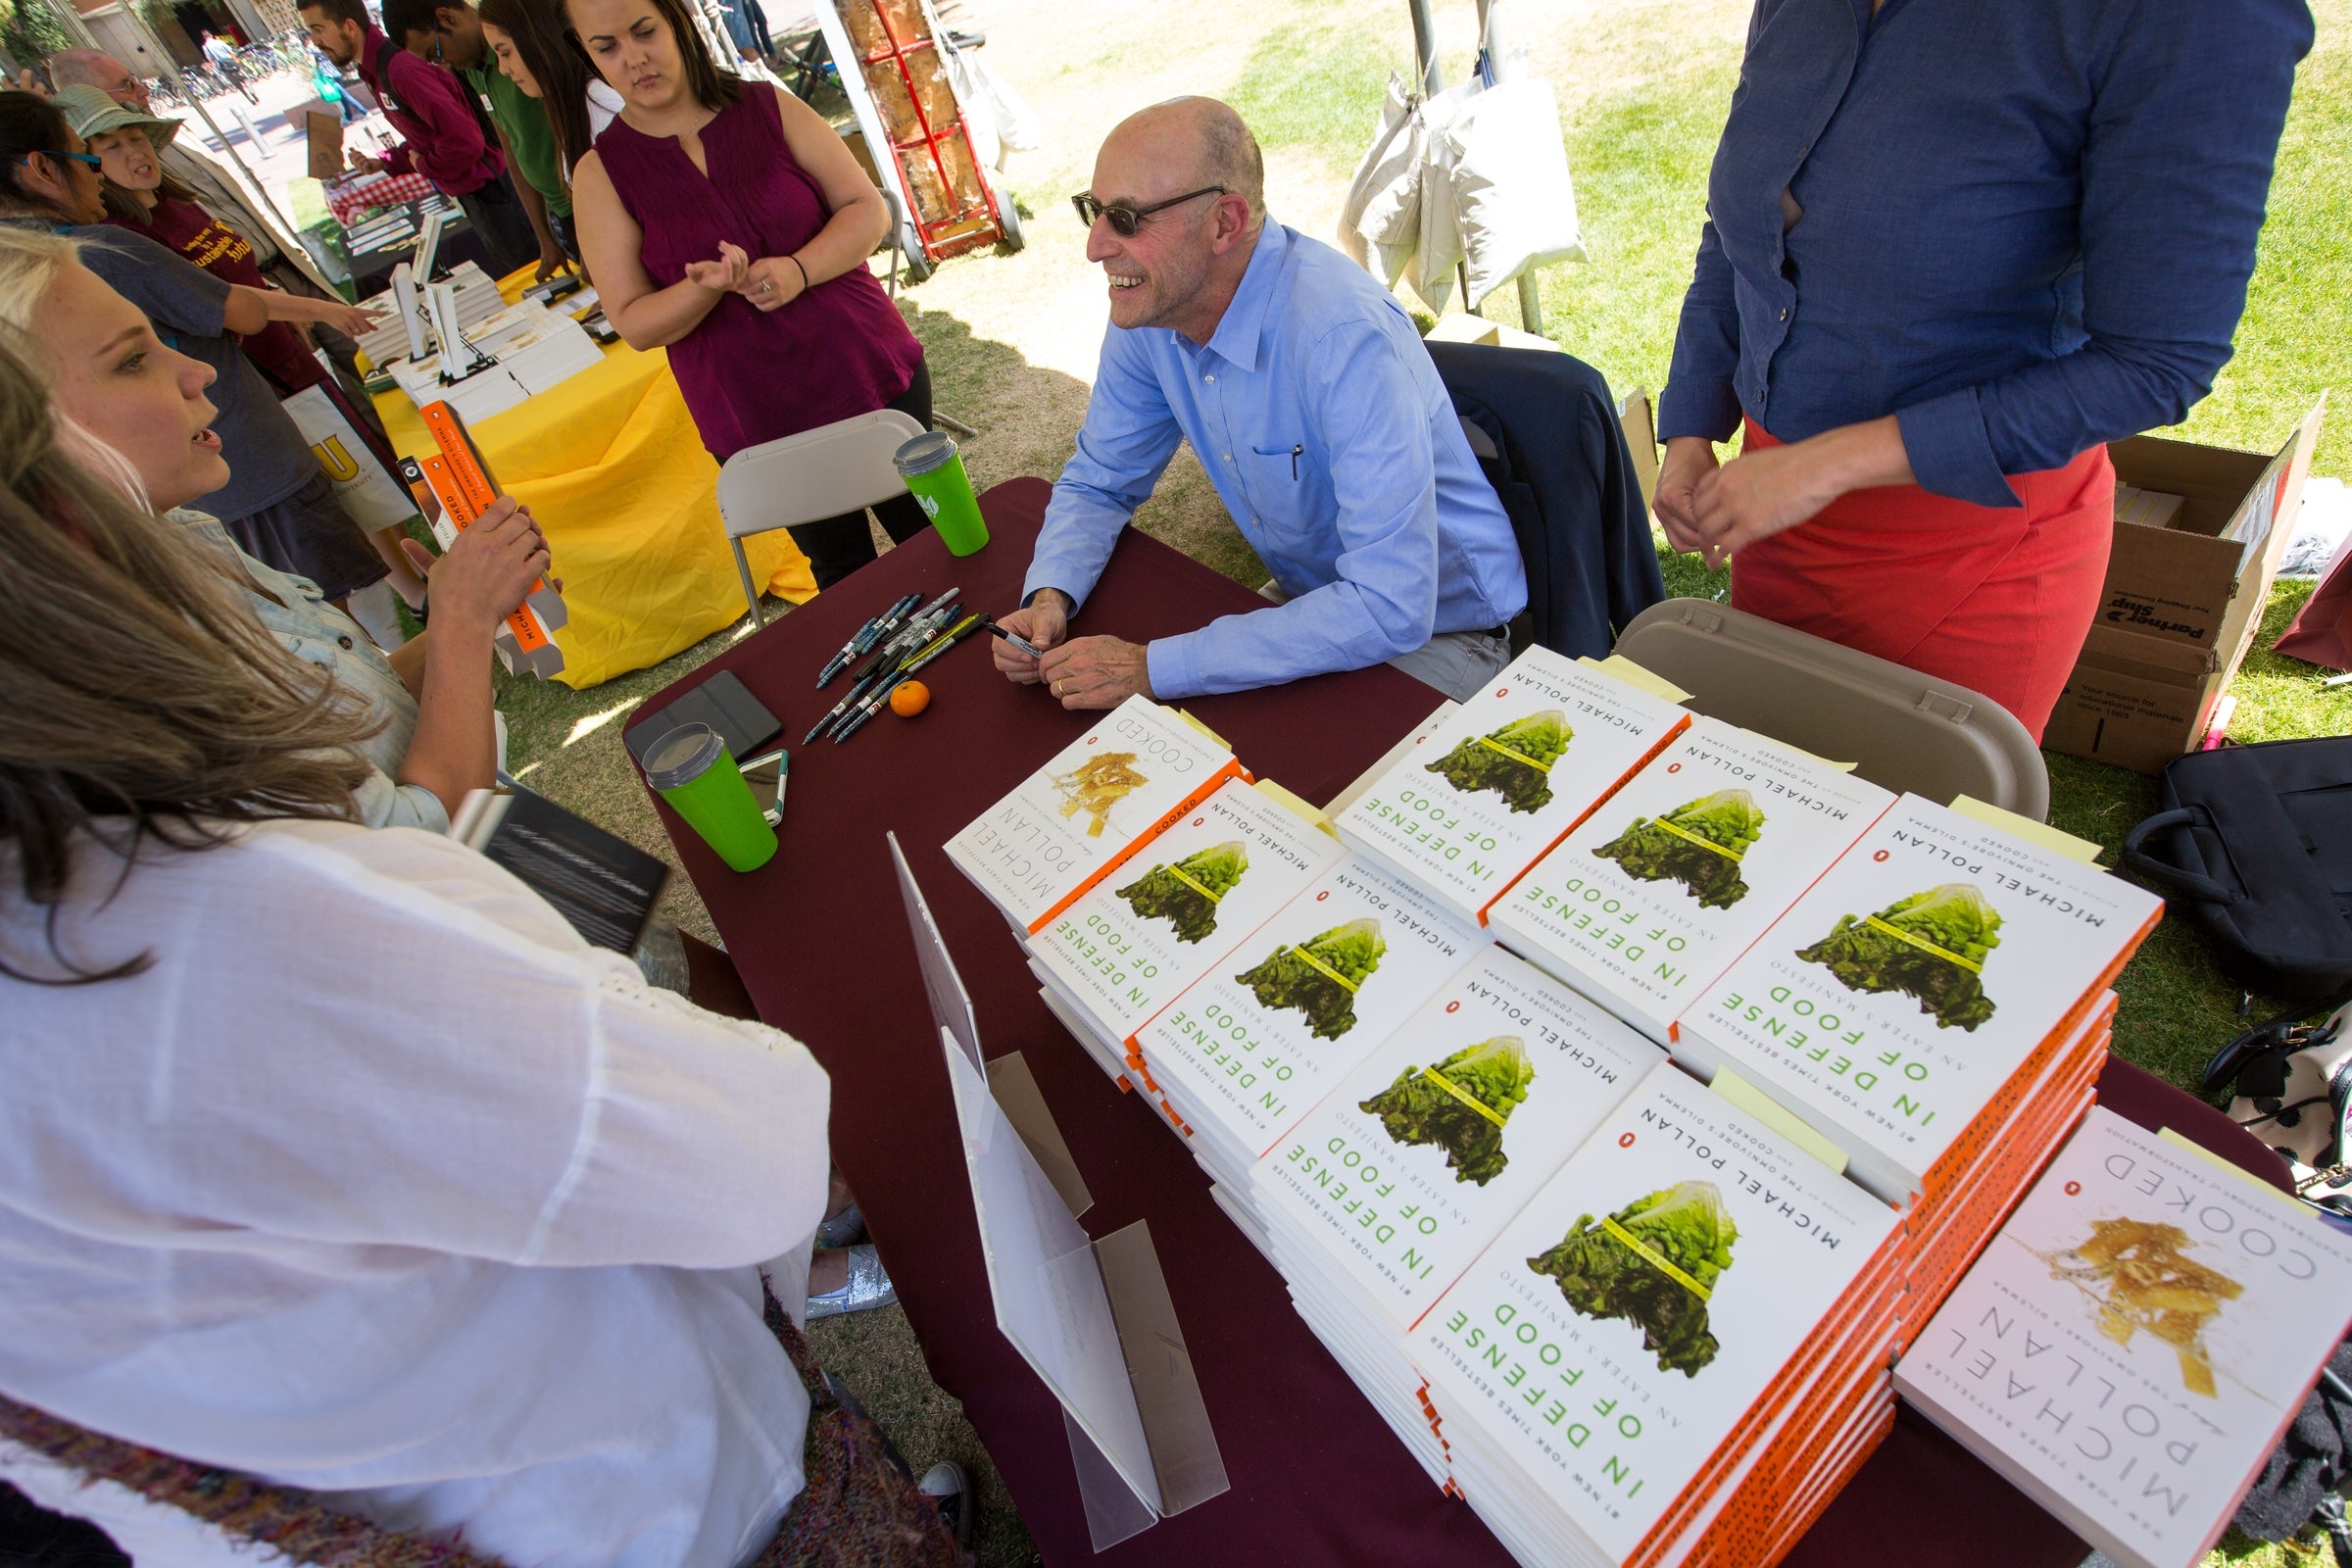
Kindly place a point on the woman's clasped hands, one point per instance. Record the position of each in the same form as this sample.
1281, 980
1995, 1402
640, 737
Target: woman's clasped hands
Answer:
769, 282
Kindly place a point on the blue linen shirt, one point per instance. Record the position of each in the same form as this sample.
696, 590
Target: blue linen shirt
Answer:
1332, 442
2027, 225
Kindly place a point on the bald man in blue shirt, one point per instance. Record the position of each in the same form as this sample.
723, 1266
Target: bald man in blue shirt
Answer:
1306, 393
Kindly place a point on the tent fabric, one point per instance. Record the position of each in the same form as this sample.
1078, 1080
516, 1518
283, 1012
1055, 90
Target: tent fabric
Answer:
1566, 478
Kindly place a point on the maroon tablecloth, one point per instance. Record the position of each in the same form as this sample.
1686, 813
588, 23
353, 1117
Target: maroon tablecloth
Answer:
821, 943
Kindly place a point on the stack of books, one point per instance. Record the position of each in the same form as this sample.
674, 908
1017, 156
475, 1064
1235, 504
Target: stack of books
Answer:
1481, 797
1376, 1203
2132, 1347
1257, 1043
1676, 1352
1637, 1310
1936, 1007
1173, 912
1656, 894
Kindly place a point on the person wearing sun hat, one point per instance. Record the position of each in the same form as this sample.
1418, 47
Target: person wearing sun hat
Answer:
141, 196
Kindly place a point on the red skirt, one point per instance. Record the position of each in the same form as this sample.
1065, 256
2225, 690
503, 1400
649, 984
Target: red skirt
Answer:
1997, 599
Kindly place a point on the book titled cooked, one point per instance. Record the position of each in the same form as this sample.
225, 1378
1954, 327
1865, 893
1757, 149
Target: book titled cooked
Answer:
1257, 1041
1074, 820
1180, 904
1654, 893
1404, 1173
2131, 1345
1893, 1001
1638, 1311
1482, 795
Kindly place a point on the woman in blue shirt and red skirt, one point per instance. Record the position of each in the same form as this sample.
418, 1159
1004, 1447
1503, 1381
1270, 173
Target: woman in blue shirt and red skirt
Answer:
1953, 247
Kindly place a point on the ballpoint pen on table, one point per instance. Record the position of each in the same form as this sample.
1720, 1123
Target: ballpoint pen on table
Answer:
909, 637
879, 697
865, 637
858, 689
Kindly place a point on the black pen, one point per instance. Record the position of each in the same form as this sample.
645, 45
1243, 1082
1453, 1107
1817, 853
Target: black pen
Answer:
1022, 642
914, 634
873, 705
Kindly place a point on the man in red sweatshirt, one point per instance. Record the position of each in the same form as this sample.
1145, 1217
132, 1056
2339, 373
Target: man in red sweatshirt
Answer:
442, 128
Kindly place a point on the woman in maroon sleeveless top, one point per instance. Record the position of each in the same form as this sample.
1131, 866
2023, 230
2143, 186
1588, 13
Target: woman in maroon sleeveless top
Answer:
724, 221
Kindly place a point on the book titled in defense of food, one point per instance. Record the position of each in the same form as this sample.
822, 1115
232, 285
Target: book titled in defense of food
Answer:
1894, 999
1260, 1039
1403, 1174
1479, 798
1638, 1311
1654, 894
1180, 904
1076, 819
2132, 1342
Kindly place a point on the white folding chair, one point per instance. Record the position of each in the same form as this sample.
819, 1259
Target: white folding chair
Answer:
819, 473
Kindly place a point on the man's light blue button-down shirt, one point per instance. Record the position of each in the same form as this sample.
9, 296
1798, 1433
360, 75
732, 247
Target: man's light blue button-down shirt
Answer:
1331, 441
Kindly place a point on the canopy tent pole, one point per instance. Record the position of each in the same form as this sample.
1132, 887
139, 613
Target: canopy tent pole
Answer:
1425, 49
1499, 67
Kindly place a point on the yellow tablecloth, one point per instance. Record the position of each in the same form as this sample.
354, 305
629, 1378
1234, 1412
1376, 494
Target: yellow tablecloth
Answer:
611, 465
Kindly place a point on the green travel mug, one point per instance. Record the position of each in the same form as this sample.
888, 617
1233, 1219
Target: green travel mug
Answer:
694, 773
934, 473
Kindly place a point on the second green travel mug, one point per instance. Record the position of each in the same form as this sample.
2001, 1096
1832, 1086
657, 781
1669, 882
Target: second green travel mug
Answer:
934, 473
691, 769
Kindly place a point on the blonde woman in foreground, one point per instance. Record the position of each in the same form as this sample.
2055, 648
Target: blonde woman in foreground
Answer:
336, 1156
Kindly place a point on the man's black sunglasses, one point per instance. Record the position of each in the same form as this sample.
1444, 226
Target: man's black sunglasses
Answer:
1126, 220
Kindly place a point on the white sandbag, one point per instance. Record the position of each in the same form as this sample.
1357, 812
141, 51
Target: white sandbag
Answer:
1508, 186
1380, 222
1440, 249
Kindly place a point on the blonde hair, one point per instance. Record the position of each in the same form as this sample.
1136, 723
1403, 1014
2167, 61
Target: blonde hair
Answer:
145, 701
30, 260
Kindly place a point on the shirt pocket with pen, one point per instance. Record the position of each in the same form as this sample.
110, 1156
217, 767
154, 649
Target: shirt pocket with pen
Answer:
1282, 485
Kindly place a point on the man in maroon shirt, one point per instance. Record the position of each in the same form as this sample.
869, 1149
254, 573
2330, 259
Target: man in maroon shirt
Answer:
441, 126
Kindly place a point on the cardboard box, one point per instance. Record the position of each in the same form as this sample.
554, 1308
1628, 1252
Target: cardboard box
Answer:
2182, 602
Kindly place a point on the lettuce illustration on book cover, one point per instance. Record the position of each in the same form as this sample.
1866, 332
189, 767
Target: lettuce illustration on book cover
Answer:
2136, 1273
1321, 977
1654, 1263
1186, 895
1515, 762
1460, 1105
1098, 786
1698, 843
1932, 946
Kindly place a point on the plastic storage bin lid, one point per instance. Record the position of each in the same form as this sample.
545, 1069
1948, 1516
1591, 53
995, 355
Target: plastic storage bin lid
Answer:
1903, 730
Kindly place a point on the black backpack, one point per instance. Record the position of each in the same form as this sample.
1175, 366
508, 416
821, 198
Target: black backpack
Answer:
2253, 847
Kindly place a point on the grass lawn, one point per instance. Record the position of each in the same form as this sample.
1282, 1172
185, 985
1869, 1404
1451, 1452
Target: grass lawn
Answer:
1644, 85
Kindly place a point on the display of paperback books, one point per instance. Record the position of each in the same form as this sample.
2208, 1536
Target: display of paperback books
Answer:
1376, 1202
1078, 818
2132, 1344
1656, 893
1183, 903
1255, 1043
1673, 1346
1482, 796
1938, 962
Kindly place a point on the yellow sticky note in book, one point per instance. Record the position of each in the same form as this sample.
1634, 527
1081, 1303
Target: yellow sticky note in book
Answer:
1799, 750
1738, 1090
1293, 803
2187, 1145
1633, 675
2041, 835
1216, 738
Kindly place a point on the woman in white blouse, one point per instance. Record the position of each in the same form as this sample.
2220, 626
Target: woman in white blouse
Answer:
334, 1156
